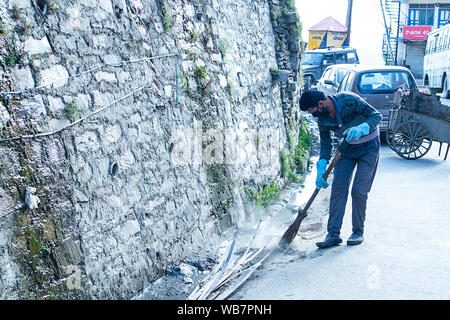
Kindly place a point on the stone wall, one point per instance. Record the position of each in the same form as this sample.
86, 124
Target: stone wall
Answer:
153, 178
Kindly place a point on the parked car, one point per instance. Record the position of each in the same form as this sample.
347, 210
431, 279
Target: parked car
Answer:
314, 62
378, 86
332, 77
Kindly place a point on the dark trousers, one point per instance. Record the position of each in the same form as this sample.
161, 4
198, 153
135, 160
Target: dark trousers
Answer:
364, 157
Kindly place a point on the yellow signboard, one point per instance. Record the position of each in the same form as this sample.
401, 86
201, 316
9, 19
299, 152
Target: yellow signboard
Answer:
315, 39
323, 39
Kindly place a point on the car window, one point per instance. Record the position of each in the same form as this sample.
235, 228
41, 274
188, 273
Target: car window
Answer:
340, 58
344, 82
328, 59
349, 84
340, 73
312, 58
332, 75
326, 74
384, 81
351, 57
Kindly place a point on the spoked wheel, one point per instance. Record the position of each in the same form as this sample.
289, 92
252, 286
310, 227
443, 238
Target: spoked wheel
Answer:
410, 140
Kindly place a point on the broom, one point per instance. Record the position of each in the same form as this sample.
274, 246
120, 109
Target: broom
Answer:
291, 232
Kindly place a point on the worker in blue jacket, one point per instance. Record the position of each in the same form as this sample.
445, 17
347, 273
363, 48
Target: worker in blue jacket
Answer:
348, 115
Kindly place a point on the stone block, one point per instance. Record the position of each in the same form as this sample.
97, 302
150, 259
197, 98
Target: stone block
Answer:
113, 133
68, 253
291, 17
55, 105
19, 4
35, 107
79, 196
105, 76
129, 229
4, 115
6, 202
242, 79
283, 76
56, 75
294, 46
87, 141
35, 46
75, 21
23, 78
112, 59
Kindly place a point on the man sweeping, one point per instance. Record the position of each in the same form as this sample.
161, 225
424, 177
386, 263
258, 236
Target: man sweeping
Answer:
348, 115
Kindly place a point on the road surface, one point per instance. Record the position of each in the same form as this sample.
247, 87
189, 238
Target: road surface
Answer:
406, 252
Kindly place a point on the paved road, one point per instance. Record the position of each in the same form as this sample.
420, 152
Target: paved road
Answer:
406, 252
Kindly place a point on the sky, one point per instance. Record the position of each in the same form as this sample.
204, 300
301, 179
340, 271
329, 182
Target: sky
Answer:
367, 26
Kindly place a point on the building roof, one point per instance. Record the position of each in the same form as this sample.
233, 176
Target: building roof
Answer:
329, 24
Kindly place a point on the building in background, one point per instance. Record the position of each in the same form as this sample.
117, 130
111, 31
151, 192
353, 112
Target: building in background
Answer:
416, 19
327, 33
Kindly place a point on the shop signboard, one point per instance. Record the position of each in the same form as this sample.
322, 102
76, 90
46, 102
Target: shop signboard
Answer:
416, 32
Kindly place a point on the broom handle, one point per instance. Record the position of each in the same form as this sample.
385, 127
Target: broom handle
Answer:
325, 175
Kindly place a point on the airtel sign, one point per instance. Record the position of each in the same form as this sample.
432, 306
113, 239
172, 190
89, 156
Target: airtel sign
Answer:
416, 32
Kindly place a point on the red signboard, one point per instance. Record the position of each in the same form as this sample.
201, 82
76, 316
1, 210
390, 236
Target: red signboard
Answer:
416, 32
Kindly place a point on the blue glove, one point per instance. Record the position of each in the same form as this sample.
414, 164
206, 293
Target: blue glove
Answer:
354, 133
321, 168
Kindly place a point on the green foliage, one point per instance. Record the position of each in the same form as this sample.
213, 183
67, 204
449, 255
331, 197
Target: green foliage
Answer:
266, 196
287, 5
3, 29
200, 72
292, 162
275, 74
72, 111
304, 138
4, 134
285, 164
229, 89
12, 58
53, 6
166, 17
223, 47
276, 15
189, 54
185, 84
301, 150
194, 36
281, 15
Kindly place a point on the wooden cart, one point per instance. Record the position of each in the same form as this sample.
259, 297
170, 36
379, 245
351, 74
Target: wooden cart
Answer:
415, 122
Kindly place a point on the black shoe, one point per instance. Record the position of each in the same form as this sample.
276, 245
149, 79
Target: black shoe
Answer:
355, 239
329, 241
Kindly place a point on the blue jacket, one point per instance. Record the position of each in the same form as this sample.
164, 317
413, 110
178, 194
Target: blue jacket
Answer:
351, 110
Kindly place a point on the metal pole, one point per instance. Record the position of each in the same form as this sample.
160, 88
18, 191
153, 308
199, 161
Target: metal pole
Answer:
398, 28
349, 20
387, 33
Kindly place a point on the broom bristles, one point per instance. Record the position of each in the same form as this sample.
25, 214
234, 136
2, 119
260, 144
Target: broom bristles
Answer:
291, 232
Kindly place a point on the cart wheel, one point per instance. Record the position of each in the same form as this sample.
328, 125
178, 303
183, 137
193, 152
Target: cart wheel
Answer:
388, 138
410, 140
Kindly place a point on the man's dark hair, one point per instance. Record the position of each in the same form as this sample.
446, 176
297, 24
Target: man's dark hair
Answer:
310, 99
